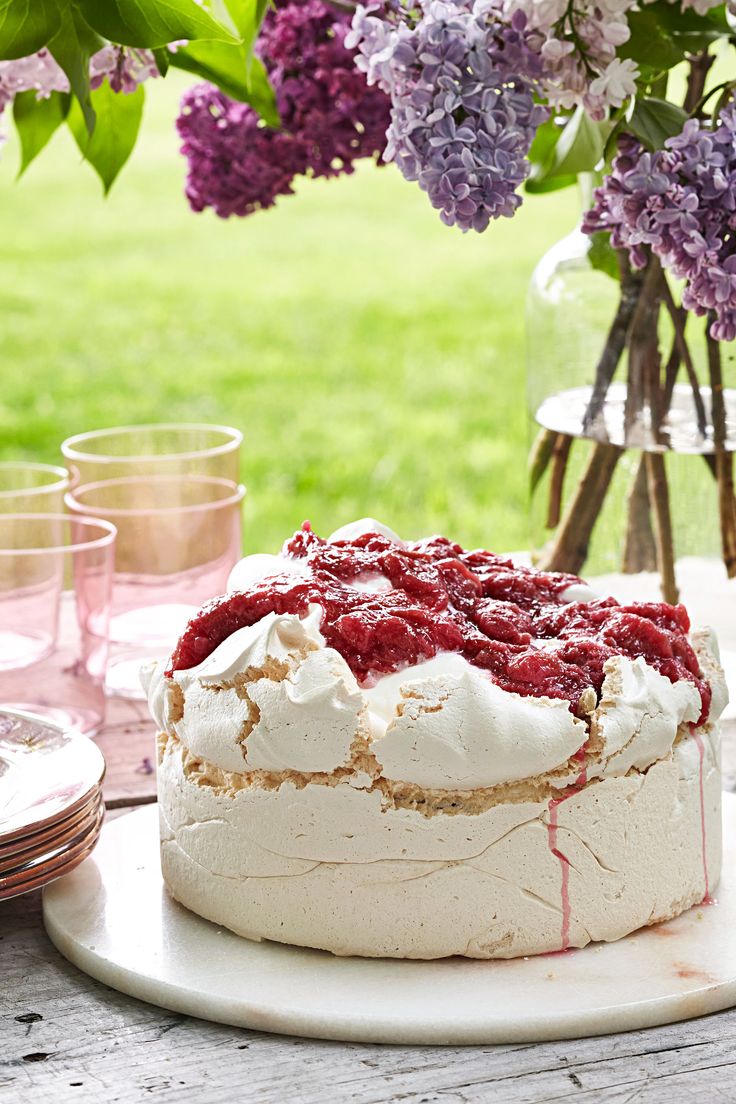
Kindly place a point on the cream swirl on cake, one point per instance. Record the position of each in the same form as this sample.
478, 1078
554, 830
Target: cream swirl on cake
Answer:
393, 796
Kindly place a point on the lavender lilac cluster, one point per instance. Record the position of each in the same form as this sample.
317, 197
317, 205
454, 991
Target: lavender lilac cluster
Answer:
680, 202
329, 116
463, 111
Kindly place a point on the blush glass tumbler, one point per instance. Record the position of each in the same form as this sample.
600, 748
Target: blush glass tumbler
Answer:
55, 591
159, 449
178, 539
27, 488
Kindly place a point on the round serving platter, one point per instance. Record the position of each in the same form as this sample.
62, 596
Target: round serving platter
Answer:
113, 918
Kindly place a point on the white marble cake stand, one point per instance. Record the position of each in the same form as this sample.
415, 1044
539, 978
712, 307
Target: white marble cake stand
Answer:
113, 919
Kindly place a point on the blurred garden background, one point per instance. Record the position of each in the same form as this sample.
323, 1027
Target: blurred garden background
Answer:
373, 357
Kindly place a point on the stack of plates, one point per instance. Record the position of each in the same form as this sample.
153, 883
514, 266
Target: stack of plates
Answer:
51, 806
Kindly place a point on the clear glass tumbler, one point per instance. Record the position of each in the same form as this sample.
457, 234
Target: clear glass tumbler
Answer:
178, 539
27, 488
55, 592
158, 449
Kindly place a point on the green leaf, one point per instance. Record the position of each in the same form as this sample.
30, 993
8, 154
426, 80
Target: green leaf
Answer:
602, 255
163, 60
580, 146
559, 153
549, 184
26, 26
542, 148
654, 121
219, 62
118, 121
36, 120
261, 95
231, 70
72, 47
650, 42
153, 23
247, 15
677, 21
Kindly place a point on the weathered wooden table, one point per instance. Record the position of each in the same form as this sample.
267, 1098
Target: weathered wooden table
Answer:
65, 1037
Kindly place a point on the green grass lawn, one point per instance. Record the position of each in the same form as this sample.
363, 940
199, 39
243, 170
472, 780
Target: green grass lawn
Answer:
373, 357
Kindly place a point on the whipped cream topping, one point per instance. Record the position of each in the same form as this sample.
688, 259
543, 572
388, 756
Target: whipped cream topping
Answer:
705, 646
251, 569
296, 707
639, 714
359, 528
453, 728
275, 637
262, 565
441, 724
308, 721
578, 592
274, 697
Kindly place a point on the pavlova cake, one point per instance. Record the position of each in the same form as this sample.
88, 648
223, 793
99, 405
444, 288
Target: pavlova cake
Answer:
405, 749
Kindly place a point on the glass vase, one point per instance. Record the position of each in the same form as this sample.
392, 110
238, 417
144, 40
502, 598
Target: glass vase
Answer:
633, 428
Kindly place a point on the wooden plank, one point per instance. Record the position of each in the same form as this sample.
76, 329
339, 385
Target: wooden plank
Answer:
128, 743
92, 1044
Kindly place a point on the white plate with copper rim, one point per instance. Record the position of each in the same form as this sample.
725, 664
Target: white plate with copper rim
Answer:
45, 773
113, 918
43, 844
41, 871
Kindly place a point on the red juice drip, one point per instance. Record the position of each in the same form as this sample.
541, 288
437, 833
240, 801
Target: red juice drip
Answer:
552, 828
707, 900
552, 831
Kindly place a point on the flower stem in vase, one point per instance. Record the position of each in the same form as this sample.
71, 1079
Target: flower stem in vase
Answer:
570, 547
540, 456
678, 317
642, 385
723, 458
660, 499
560, 457
640, 551
631, 287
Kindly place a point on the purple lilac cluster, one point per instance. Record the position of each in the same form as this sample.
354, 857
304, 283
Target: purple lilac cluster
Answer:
329, 116
680, 202
463, 111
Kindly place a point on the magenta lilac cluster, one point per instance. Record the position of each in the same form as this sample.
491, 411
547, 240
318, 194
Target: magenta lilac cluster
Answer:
463, 110
680, 202
329, 116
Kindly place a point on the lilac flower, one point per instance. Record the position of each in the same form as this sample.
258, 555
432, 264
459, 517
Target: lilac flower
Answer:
463, 114
578, 44
329, 116
236, 165
41, 73
680, 202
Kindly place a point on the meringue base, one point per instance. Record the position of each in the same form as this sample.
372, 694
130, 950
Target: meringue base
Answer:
331, 866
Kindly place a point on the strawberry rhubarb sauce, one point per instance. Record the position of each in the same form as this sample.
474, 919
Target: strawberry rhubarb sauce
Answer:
387, 606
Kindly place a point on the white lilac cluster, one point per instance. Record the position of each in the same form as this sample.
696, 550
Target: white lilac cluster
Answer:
461, 82
578, 43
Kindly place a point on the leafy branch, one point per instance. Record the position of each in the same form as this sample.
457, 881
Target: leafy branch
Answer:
105, 123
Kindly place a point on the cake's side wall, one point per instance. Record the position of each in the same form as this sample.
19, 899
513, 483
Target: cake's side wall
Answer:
329, 867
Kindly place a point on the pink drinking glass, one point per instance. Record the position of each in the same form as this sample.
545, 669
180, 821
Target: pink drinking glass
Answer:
178, 539
159, 449
55, 591
27, 488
